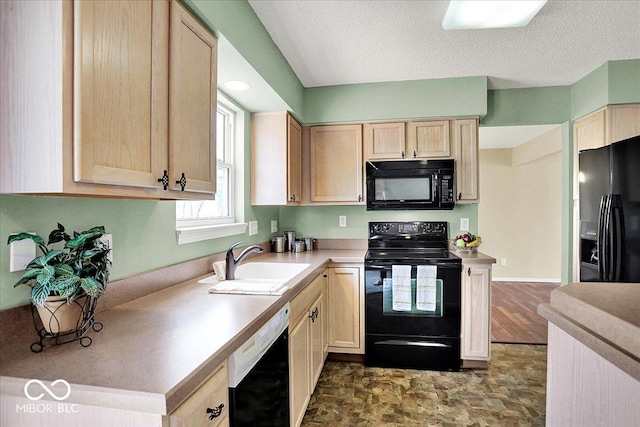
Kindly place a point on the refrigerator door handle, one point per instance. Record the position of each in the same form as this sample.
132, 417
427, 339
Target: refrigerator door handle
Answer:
617, 237
603, 253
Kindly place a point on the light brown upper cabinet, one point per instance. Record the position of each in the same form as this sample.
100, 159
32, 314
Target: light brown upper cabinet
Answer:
465, 153
607, 125
384, 140
428, 138
589, 132
103, 120
276, 159
407, 140
192, 104
335, 156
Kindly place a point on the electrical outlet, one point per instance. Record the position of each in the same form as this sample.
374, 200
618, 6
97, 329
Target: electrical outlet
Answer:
274, 226
464, 224
503, 261
253, 228
342, 220
21, 253
108, 240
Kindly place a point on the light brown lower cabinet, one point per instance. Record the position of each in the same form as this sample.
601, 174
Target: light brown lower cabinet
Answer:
207, 407
306, 346
475, 346
346, 310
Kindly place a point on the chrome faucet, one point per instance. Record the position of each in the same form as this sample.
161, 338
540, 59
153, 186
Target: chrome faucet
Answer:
232, 263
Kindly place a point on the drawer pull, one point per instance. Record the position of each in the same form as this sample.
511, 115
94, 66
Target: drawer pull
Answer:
215, 412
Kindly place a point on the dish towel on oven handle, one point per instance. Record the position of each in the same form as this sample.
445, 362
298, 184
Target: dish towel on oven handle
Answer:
426, 286
401, 287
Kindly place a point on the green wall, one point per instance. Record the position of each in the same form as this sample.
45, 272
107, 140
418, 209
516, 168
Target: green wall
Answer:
466, 96
614, 82
322, 221
528, 106
239, 24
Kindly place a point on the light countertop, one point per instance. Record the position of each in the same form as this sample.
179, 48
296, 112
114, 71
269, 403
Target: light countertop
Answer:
156, 350
603, 316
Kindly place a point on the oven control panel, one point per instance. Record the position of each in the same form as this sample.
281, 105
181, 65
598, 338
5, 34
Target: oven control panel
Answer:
434, 229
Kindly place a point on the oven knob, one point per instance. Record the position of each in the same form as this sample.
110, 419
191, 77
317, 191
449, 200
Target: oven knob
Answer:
376, 228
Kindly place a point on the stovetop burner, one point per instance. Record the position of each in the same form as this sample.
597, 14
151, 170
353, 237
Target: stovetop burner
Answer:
408, 242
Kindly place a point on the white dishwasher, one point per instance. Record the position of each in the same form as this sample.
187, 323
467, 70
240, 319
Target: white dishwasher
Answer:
259, 376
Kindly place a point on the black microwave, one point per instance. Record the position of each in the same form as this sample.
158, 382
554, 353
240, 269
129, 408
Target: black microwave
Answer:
410, 184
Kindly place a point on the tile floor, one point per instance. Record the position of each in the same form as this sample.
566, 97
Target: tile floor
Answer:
511, 392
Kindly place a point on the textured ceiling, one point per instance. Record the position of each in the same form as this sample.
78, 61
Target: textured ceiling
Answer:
343, 42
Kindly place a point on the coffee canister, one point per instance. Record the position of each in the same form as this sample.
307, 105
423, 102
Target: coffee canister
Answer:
278, 244
289, 237
308, 243
298, 246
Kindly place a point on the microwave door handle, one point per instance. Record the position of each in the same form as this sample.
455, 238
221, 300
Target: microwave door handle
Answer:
434, 188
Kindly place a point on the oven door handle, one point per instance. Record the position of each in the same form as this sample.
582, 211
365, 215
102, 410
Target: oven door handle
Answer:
412, 343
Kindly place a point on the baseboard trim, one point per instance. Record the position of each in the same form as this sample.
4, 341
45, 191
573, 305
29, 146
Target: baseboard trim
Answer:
526, 279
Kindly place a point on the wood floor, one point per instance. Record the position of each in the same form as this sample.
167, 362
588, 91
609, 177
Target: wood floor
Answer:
514, 312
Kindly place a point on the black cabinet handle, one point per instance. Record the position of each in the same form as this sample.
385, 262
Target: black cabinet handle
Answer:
459, 196
293, 198
414, 153
182, 181
164, 180
215, 412
403, 154
469, 271
359, 197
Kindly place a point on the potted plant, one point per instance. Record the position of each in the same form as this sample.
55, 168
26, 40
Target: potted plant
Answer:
63, 279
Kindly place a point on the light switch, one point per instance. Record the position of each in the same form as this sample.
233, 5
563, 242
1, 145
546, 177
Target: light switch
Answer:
274, 226
342, 220
108, 240
253, 228
464, 224
21, 253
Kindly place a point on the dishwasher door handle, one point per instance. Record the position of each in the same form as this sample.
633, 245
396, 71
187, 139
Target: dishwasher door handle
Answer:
413, 343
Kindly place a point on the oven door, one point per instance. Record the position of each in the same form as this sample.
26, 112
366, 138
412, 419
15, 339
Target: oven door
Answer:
413, 338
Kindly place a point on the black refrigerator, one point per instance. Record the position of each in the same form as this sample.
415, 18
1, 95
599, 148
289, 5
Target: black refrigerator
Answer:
609, 182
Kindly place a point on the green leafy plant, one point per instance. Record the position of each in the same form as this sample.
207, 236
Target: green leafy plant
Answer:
81, 265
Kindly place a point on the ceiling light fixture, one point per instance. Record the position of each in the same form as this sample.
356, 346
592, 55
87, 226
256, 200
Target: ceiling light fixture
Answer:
236, 85
477, 14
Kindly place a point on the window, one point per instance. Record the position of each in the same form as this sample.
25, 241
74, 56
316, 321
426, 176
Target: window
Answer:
205, 219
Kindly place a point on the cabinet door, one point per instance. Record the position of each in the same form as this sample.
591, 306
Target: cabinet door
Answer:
294, 160
192, 104
623, 121
589, 132
465, 152
344, 307
428, 139
120, 96
316, 315
336, 163
212, 394
476, 313
384, 140
325, 318
299, 370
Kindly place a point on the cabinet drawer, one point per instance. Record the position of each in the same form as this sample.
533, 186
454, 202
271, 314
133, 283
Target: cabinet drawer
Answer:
299, 305
197, 409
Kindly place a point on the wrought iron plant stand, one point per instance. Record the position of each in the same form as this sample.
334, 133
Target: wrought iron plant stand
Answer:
55, 336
